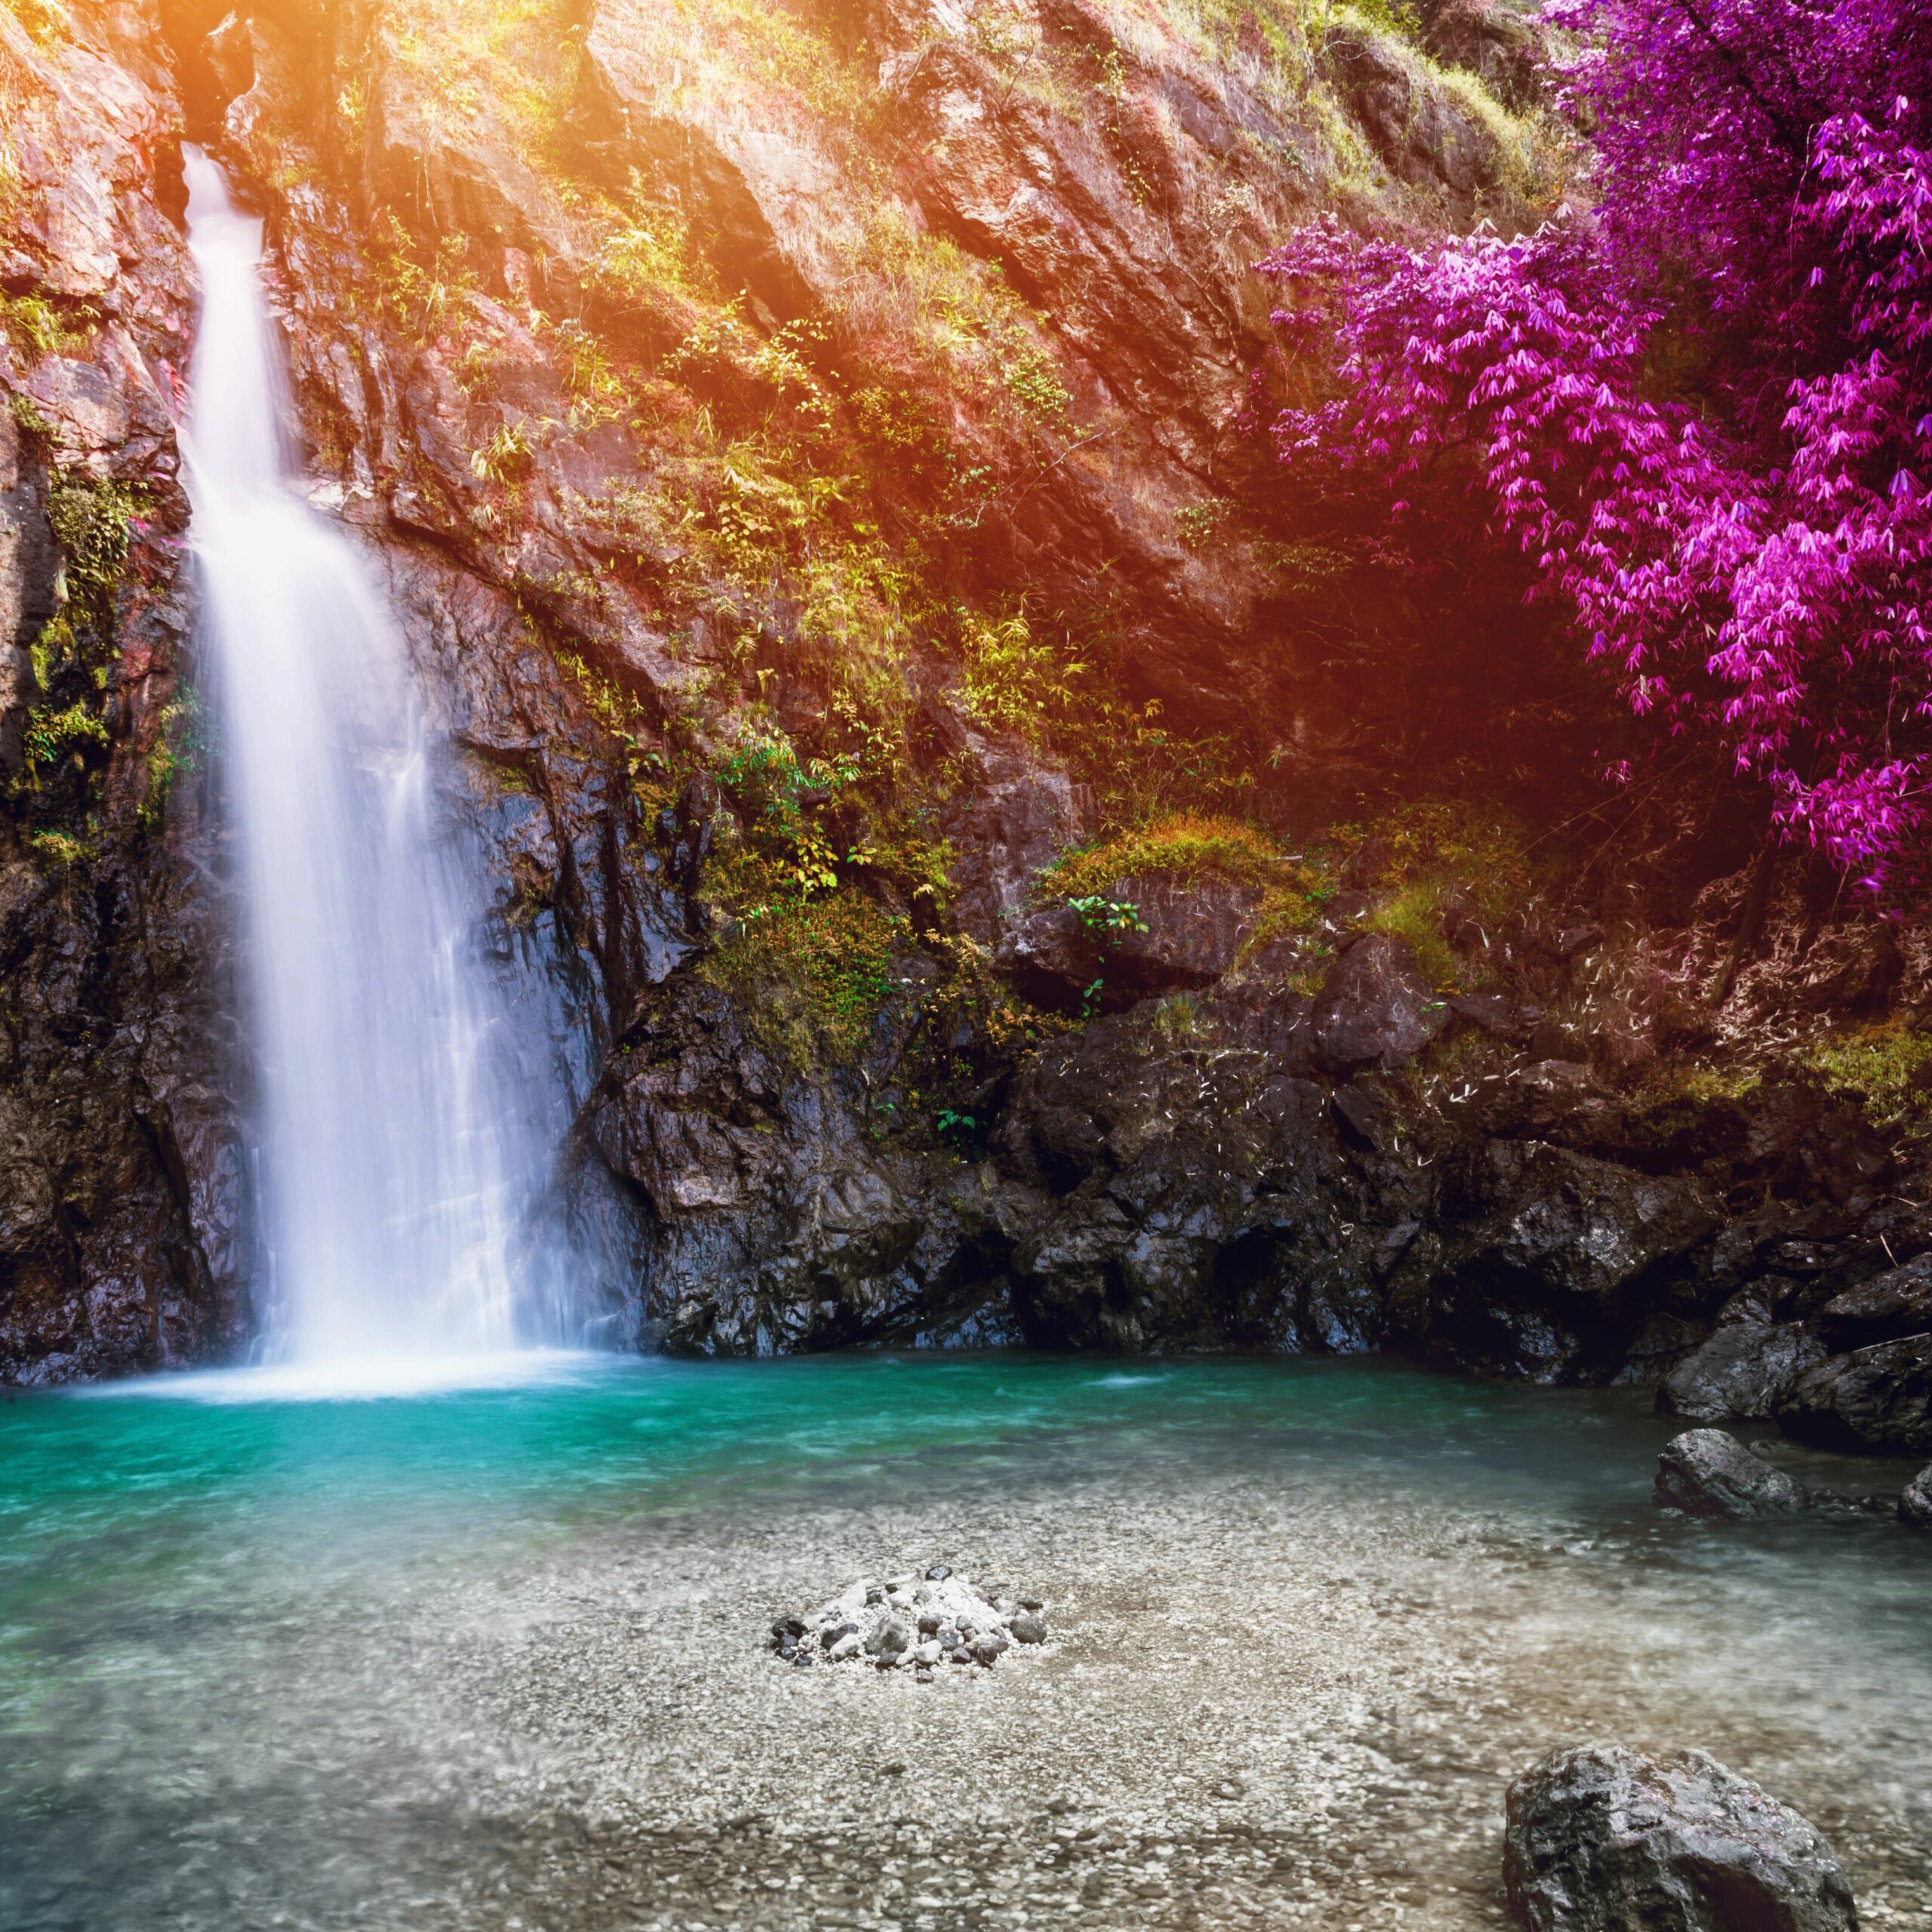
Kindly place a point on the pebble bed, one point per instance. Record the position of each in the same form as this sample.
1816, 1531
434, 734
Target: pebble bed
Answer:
1258, 1710
1279, 1697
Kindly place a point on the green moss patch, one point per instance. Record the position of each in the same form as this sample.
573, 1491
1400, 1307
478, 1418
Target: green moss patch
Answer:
1885, 1069
1183, 846
1418, 855
814, 968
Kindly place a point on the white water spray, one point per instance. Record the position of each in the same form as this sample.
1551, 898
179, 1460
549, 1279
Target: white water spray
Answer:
398, 1159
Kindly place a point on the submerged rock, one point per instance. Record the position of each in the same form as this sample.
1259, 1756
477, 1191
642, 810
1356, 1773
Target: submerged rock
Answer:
912, 1620
1916, 1504
1705, 1472
1604, 1839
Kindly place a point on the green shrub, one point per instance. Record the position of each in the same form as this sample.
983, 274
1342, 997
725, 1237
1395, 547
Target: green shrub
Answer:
765, 776
505, 456
180, 747
34, 326
51, 734
62, 847
94, 523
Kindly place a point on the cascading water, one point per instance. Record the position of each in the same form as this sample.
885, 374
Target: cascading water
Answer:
399, 1157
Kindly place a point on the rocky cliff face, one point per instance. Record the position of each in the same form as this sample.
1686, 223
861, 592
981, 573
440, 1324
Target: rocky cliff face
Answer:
125, 1242
803, 448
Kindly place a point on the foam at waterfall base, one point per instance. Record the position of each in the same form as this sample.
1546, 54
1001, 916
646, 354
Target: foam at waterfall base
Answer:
365, 1377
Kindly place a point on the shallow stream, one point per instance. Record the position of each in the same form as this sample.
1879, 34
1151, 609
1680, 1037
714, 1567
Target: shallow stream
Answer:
491, 1657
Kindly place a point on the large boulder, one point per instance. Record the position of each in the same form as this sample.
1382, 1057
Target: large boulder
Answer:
1879, 1398
1018, 812
1375, 1009
1552, 1259
1169, 936
1887, 1308
1604, 1839
1705, 1472
1741, 1373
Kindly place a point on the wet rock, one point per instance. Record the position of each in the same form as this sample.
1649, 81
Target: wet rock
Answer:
1552, 1259
1019, 813
1604, 1839
1375, 1009
229, 50
1741, 1373
1891, 1306
29, 575
127, 1236
1054, 958
1876, 1398
1915, 1500
1361, 1118
1706, 1472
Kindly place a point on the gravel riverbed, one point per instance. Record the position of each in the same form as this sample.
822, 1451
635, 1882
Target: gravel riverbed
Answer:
1287, 1680
1258, 1708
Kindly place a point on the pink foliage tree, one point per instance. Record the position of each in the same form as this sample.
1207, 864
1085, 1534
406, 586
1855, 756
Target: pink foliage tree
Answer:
1746, 550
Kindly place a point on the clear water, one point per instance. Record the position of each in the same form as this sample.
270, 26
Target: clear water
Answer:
489, 1657
402, 1134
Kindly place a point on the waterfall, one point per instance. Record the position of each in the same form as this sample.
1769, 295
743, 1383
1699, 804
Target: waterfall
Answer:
399, 1156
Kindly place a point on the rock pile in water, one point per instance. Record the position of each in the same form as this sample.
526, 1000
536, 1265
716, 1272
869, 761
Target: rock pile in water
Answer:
916, 1622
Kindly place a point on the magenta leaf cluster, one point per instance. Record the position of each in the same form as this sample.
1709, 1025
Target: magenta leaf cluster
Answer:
1696, 418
